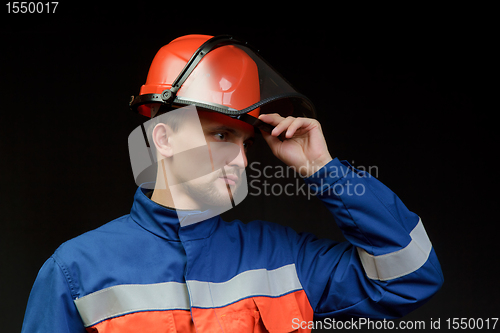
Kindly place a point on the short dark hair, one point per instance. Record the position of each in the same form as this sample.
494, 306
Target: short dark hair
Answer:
163, 115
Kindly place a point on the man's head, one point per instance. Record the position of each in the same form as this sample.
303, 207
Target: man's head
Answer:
201, 158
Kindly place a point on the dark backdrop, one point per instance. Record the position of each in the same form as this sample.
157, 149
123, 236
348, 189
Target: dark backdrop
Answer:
402, 90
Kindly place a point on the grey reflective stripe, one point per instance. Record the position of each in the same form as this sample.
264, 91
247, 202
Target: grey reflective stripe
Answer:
396, 264
127, 298
258, 282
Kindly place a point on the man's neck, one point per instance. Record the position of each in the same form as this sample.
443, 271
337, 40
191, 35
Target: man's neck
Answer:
163, 197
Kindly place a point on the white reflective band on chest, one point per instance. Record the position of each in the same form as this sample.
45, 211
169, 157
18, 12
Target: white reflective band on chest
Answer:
400, 263
258, 282
127, 298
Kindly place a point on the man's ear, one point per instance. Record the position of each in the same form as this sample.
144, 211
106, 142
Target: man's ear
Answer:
162, 137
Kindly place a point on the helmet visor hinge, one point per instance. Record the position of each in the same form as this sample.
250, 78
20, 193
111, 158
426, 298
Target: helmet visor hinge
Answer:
168, 96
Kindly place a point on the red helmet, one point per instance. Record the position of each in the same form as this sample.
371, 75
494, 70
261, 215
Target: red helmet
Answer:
219, 74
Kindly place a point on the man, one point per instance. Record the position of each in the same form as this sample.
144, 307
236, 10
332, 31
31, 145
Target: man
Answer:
173, 265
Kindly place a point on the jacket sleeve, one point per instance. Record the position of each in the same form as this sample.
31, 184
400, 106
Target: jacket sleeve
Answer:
388, 266
50, 305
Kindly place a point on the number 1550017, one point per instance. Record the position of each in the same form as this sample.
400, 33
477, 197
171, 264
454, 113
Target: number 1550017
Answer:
31, 7
471, 323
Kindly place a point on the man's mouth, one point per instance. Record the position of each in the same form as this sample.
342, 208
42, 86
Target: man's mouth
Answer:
229, 179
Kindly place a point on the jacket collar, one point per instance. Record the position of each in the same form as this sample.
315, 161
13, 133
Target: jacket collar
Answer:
169, 223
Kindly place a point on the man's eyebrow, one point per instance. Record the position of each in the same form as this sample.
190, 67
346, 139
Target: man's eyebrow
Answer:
224, 128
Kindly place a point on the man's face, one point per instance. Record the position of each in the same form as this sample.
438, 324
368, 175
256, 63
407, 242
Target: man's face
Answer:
228, 140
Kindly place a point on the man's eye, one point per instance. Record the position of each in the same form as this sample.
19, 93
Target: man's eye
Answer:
247, 145
220, 136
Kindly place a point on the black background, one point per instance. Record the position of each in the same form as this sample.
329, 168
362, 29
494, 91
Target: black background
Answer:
405, 90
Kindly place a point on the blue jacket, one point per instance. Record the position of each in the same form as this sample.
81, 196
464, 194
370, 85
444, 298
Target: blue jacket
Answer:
144, 273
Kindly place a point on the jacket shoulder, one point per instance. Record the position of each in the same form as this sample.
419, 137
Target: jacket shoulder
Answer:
95, 239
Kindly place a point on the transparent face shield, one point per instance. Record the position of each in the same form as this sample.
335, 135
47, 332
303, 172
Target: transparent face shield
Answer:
176, 152
228, 76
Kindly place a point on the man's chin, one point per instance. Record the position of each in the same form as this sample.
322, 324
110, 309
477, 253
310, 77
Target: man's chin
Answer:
212, 195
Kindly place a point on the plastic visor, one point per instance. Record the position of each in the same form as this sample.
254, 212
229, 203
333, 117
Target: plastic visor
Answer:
234, 80
195, 167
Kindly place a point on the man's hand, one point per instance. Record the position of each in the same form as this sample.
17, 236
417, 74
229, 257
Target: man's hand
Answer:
304, 147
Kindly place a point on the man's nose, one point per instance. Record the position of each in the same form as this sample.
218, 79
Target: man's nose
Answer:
227, 153
240, 160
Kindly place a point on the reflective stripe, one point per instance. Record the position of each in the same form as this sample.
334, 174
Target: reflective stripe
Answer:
127, 298
396, 264
258, 282
122, 299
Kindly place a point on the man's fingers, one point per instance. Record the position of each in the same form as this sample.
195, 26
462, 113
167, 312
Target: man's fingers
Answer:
271, 118
284, 127
294, 126
272, 141
281, 124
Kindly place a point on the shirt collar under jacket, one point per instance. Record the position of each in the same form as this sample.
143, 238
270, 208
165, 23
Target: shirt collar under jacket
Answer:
164, 222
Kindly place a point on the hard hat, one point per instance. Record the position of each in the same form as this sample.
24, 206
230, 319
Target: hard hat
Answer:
219, 74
